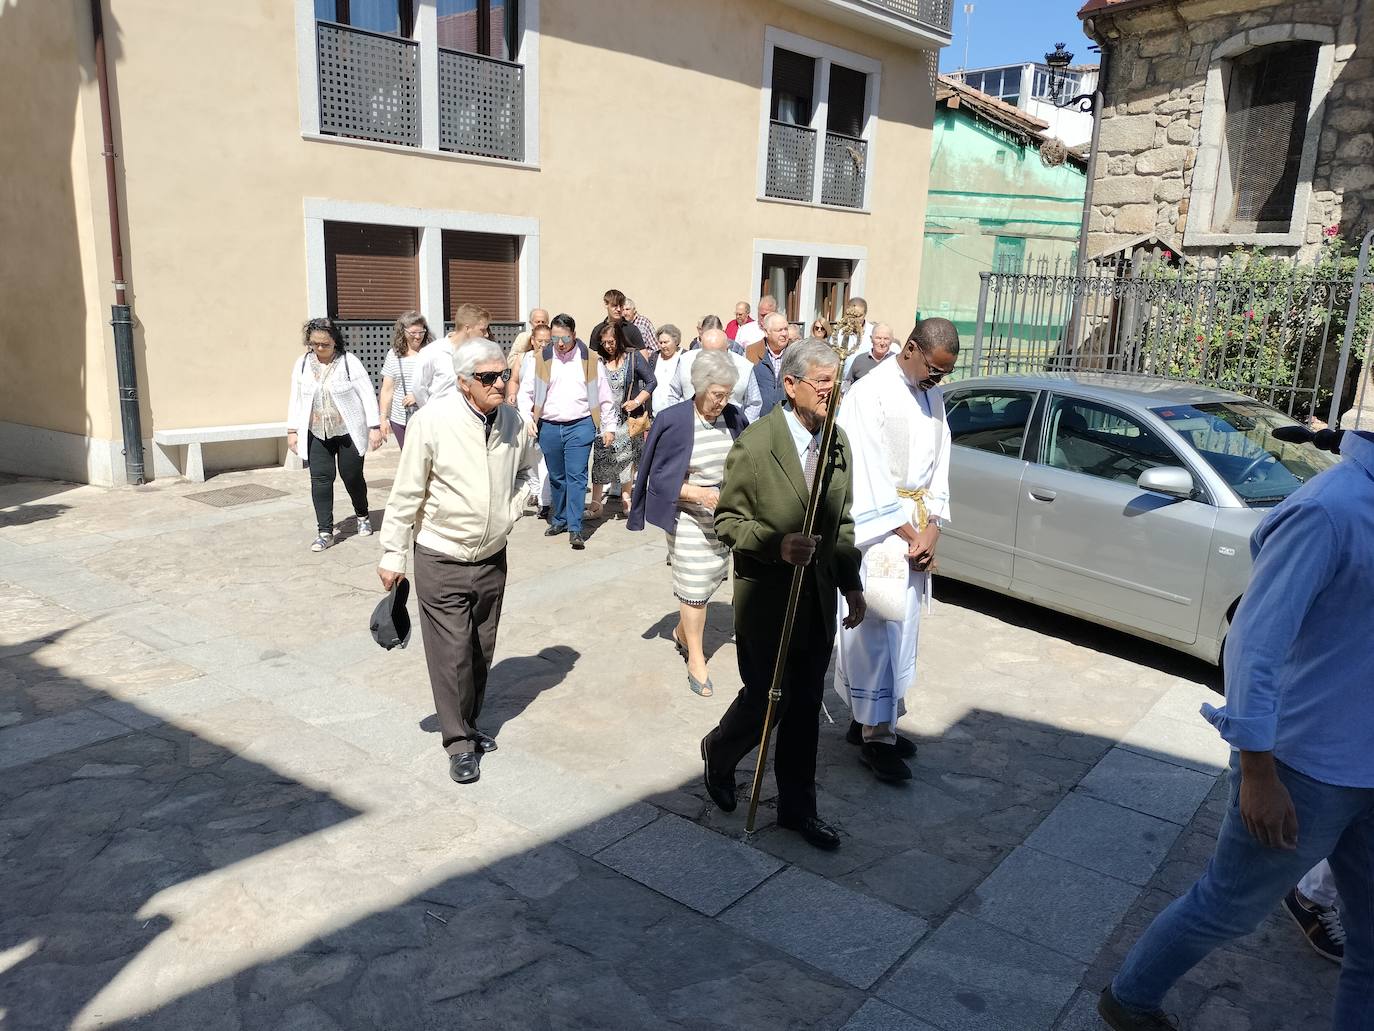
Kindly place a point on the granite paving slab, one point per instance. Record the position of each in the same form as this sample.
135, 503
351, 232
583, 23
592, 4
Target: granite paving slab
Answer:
878, 1016
1192, 743
1105, 837
852, 936
1148, 785
42, 738
1052, 901
690, 864
969, 976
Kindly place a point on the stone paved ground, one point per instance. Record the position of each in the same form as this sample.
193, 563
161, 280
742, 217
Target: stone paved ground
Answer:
222, 807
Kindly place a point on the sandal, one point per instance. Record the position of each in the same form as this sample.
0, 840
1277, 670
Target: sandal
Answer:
706, 690
681, 648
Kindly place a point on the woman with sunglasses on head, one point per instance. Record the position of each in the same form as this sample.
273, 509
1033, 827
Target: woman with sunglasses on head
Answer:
632, 384
410, 333
332, 407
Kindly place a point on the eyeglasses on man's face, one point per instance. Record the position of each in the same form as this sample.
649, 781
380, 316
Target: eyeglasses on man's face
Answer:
559, 338
487, 379
933, 372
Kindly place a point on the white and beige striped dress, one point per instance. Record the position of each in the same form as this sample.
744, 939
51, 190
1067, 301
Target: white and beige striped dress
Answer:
700, 560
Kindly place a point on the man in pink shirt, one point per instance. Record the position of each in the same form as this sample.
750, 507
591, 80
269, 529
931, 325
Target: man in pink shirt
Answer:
565, 394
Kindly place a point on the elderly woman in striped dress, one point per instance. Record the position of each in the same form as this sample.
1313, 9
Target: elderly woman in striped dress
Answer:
680, 474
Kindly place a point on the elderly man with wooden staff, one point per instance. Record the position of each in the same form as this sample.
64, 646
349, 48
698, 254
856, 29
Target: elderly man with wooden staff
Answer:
784, 512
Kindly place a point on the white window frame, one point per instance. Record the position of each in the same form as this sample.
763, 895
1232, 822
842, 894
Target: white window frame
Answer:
426, 36
825, 55
1211, 155
810, 252
431, 222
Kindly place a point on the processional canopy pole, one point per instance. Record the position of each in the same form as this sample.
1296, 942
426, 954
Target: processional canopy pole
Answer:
846, 336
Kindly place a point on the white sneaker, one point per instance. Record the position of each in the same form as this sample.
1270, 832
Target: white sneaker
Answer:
364, 526
321, 542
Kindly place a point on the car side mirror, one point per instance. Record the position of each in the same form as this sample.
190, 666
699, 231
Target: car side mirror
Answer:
1173, 480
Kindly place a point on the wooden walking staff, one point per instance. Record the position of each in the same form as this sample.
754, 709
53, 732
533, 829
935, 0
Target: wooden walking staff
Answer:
845, 336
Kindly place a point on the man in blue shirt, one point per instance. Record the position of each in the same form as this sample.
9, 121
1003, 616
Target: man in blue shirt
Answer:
1300, 714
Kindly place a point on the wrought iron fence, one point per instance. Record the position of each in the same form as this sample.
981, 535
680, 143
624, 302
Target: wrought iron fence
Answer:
369, 85
846, 164
791, 172
1275, 330
934, 14
481, 105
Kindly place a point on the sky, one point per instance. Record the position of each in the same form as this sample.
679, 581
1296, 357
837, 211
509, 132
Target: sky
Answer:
1015, 31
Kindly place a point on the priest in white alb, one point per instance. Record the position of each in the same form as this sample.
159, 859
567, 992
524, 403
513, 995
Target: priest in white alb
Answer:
895, 420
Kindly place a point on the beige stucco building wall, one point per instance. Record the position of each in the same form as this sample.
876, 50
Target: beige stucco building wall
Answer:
649, 126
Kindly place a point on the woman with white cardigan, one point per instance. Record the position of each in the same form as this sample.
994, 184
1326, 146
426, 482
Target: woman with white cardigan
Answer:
332, 405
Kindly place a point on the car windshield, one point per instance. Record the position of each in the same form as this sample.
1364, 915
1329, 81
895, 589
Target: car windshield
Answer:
1235, 438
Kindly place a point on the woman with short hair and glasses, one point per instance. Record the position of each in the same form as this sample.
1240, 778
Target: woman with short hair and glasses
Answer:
408, 336
332, 405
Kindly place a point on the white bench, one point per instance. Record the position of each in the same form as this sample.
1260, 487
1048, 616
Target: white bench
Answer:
192, 437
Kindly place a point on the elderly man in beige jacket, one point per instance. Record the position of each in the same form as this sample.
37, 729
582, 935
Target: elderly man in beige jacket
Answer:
465, 474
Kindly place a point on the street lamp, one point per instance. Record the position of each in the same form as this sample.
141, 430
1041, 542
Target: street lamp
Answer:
1058, 61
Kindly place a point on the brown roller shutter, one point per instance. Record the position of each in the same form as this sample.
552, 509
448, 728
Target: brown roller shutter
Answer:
845, 110
371, 272
482, 268
834, 268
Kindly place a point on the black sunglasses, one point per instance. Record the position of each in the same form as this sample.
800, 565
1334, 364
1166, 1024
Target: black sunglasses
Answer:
488, 378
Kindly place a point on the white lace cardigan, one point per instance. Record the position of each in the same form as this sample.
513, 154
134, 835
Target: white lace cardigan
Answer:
352, 390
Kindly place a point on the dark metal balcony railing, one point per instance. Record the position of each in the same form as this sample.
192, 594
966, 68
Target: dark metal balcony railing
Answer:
791, 172
370, 340
369, 85
481, 105
842, 178
934, 14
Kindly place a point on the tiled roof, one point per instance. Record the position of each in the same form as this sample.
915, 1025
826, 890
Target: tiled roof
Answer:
995, 110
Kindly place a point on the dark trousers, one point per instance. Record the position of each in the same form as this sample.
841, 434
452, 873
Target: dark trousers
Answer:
796, 718
399, 428
567, 448
460, 607
337, 455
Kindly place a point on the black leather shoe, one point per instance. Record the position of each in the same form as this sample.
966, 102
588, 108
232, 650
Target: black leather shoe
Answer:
556, 529
485, 742
722, 791
906, 748
884, 761
815, 830
1119, 1018
465, 767
543, 511
577, 541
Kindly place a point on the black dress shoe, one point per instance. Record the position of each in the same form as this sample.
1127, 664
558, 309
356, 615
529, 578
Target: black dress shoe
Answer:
722, 791
465, 767
906, 748
884, 761
543, 511
556, 529
577, 541
815, 830
484, 742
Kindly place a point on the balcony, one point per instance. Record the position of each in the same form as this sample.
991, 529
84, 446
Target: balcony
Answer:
846, 163
481, 105
370, 89
369, 85
923, 23
791, 173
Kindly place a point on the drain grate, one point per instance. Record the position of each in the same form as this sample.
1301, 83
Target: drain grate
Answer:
244, 494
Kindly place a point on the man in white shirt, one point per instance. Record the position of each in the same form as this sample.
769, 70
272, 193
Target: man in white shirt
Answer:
435, 378
680, 389
463, 476
750, 336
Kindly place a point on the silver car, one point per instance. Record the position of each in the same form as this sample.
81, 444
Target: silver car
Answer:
1123, 500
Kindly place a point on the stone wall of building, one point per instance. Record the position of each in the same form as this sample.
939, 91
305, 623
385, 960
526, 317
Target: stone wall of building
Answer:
1153, 117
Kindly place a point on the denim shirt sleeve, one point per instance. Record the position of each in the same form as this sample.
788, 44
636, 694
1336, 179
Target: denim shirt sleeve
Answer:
1296, 556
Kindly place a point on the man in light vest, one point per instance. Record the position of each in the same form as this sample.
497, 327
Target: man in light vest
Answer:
565, 394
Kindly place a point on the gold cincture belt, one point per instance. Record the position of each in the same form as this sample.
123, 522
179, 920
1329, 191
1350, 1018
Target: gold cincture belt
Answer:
918, 496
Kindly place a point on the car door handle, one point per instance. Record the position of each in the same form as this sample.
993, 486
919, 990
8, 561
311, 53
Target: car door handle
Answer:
1043, 494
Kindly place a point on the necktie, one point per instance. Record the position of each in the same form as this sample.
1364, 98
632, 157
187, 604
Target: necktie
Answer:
813, 455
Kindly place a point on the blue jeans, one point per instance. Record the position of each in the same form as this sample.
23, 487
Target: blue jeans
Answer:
567, 449
1245, 881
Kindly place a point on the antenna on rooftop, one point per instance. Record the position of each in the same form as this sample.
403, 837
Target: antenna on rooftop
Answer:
968, 18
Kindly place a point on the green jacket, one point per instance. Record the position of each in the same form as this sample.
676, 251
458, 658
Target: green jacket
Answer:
763, 499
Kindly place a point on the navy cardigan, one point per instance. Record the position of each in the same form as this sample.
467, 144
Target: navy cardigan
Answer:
663, 466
